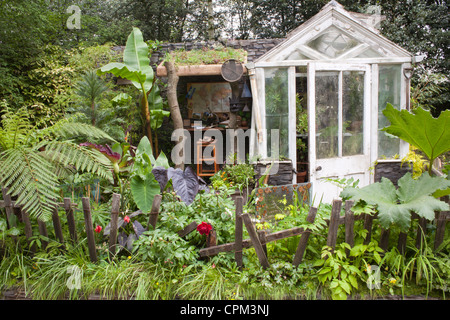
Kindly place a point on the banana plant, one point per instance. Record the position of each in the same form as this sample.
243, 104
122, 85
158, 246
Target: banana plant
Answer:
136, 68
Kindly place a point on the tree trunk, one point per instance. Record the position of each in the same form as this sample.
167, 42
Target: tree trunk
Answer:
172, 99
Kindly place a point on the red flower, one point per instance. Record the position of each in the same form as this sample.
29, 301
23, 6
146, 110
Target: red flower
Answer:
204, 228
126, 219
98, 229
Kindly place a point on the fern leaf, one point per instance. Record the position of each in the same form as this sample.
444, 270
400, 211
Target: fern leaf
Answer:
30, 177
82, 159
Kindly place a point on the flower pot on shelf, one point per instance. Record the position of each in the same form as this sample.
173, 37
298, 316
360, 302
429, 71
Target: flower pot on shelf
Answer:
301, 176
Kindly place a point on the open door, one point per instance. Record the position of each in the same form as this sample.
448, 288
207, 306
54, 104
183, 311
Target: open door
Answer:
339, 126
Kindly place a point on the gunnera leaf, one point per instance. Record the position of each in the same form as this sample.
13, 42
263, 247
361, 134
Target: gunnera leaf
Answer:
395, 206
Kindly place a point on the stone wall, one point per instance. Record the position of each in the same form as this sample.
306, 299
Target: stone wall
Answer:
393, 170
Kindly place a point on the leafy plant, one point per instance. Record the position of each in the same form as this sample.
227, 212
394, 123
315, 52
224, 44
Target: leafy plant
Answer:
395, 205
136, 68
205, 56
185, 184
143, 184
338, 271
32, 160
420, 129
160, 245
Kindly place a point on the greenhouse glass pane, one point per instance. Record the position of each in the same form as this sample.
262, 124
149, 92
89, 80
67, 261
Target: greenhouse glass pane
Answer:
277, 112
352, 112
333, 42
327, 105
389, 91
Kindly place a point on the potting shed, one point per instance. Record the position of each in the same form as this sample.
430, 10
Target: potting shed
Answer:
318, 98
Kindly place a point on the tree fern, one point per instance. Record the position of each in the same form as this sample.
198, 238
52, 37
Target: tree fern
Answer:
33, 160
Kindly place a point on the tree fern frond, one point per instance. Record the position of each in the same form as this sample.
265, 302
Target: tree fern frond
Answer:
16, 128
31, 180
82, 158
75, 129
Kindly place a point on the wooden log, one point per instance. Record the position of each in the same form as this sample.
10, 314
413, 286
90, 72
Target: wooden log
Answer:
349, 220
188, 229
89, 229
255, 240
304, 238
115, 208
70, 219
238, 232
57, 225
155, 211
334, 223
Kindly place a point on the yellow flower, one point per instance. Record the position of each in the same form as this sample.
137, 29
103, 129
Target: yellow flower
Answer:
392, 280
129, 257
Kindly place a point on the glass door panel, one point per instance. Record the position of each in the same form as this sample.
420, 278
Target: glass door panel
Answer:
327, 107
352, 113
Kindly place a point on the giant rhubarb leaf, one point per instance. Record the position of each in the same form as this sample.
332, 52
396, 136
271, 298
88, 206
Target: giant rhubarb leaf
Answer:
420, 129
395, 206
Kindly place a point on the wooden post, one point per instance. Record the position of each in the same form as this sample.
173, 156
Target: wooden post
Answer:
349, 220
57, 225
384, 238
115, 207
43, 231
440, 229
334, 223
255, 240
401, 246
28, 228
70, 219
211, 238
421, 229
441, 220
8, 208
89, 229
304, 238
155, 210
368, 221
262, 239
238, 230
188, 229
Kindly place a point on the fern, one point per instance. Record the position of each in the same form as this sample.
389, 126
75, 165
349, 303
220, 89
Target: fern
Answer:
32, 160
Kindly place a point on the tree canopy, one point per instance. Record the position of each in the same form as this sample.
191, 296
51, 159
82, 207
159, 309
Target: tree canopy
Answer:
30, 27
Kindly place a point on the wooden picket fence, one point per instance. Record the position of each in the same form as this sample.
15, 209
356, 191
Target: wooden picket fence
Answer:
258, 238
12, 209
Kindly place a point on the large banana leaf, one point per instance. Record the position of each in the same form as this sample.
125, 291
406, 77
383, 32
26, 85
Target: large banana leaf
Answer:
136, 64
123, 71
135, 56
